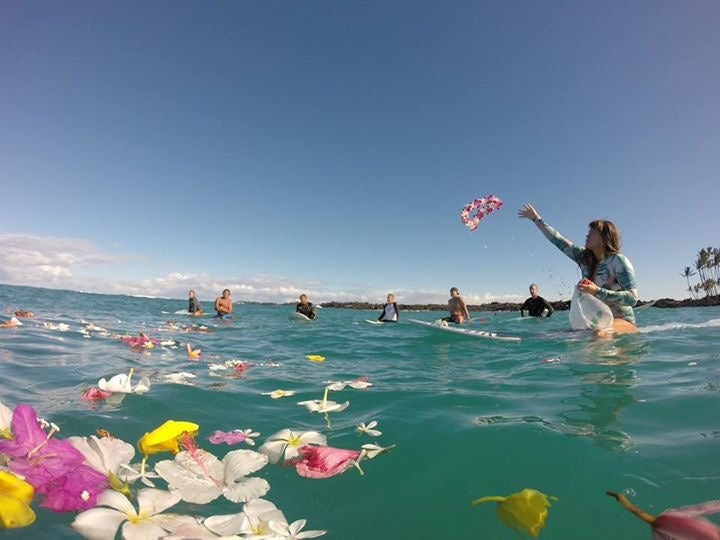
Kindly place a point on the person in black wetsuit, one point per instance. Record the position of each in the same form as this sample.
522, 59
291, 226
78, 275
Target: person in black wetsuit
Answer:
305, 307
390, 312
194, 304
536, 306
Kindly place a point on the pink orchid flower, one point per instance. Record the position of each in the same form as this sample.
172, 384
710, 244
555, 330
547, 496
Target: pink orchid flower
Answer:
233, 437
685, 523
94, 393
324, 461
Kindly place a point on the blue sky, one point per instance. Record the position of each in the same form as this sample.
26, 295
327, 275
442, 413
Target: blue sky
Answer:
331, 145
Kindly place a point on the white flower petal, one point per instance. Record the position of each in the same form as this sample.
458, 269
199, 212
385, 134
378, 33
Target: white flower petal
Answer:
246, 489
274, 450
190, 480
5, 417
225, 525
154, 501
312, 437
175, 522
142, 530
239, 463
98, 523
116, 500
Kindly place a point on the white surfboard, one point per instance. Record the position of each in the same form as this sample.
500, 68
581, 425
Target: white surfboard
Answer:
373, 322
465, 331
300, 317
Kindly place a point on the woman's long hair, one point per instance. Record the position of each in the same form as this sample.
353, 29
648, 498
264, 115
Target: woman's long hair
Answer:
611, 243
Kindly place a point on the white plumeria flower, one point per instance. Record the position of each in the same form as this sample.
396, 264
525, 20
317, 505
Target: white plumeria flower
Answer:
179, 378
249, 436
336, 386
104, 454
135, 472
285, 444
122, 384
217, 367
371, 451
103, 521
279, 393
256, 518
324, 406
292, 531
368, 429
200, 477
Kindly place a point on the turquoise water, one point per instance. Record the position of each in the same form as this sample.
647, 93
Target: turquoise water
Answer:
469, 417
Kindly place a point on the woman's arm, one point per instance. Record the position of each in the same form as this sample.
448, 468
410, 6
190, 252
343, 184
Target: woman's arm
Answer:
558, 240
397, 311
548, 307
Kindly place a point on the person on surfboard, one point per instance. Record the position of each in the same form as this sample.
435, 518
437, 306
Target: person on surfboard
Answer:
456, 303
390, 312
305, 308
194, 304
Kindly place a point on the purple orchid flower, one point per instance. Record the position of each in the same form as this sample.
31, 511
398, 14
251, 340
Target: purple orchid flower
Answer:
54, 467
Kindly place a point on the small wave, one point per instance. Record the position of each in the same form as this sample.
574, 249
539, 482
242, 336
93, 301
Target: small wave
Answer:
712, 323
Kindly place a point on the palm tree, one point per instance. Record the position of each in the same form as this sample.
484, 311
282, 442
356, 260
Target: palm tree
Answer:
687, 274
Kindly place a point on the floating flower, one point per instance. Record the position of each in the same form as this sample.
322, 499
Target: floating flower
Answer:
93, 393
368, 429
524, 511
360, 383
315, 357
323, 405
165, 437
137, 471
256, 520
122, 384
324, 461
685, 523
233, 437
292, 531
200, 477
104, 454
371, 451
179, 378
284, 444
193, 354
15, 497
277, 394
114, 510
5, 419
77, 490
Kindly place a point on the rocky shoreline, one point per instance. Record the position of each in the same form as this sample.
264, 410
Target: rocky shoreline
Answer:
560, 305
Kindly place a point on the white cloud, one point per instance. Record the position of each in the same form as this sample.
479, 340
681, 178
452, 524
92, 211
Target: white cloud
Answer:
59, 263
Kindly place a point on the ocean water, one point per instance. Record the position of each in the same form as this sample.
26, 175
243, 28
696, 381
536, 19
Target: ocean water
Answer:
469, 417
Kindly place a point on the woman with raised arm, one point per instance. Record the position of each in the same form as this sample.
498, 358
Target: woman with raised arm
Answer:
607, 273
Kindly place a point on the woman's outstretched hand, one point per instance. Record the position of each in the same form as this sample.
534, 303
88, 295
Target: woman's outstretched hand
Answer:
528, 212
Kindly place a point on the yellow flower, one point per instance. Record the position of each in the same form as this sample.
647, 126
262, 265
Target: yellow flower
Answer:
165, 438
315, 358
525, 510
15, 497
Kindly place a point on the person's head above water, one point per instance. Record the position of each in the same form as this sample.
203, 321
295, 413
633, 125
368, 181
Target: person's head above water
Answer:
226, 293
533, 290
191, 294
454, 292
603, 239
303, 299
390, 298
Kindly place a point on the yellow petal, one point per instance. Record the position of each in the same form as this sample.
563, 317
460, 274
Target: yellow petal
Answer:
524, 511
14, 487
14, 512
164, 438
315, 358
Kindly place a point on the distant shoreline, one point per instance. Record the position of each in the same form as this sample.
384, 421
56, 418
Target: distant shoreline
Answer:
559, 305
